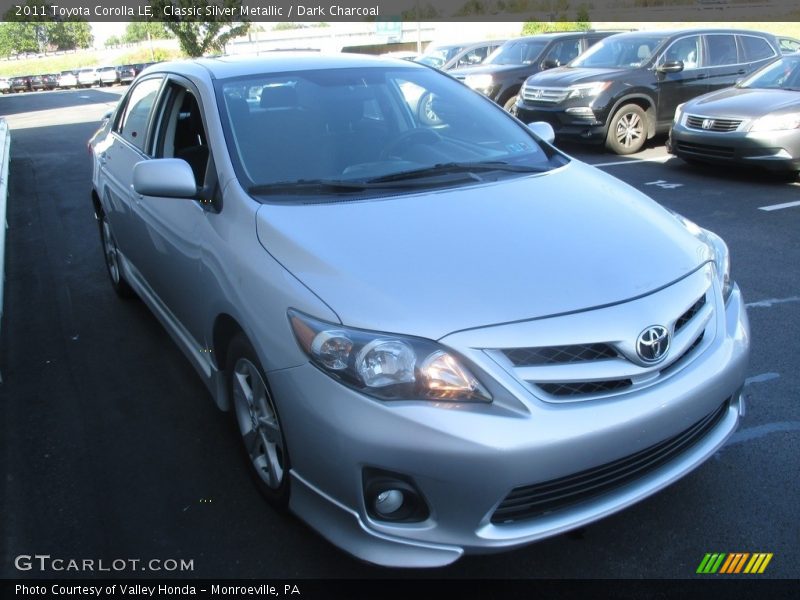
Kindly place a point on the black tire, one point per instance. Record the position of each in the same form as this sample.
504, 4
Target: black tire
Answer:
627, 132
510, 105
257, 422
111, 256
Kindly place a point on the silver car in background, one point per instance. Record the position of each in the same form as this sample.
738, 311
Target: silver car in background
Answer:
436, 336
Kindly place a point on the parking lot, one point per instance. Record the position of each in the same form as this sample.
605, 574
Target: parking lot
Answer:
112, 448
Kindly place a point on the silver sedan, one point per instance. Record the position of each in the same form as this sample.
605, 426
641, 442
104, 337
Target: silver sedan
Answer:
436, 336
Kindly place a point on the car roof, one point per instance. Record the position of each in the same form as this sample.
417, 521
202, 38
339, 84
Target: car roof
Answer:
223, 67
688, 31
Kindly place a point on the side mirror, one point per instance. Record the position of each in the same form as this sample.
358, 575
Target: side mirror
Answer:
550, 63
672, 66
543, 131
165, 177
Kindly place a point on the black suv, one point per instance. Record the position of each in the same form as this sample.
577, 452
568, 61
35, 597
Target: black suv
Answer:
625, 89
501, 75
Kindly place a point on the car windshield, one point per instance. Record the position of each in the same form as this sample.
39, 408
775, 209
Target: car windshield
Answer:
353, 130
516, 52
784, 74
620, 52
436, 57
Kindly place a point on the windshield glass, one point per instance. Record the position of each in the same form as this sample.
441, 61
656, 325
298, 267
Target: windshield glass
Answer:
436, 57
516, 52
784, 74
337, 127
619, 52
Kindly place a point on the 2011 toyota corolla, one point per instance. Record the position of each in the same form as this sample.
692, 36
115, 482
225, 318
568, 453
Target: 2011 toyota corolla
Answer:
437, 333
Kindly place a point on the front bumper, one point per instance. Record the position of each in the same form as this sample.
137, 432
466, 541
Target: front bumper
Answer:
772, 150
589, 125
465, 459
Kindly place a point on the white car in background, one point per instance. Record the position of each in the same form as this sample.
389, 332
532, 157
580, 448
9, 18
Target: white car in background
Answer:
67, 79
88, 77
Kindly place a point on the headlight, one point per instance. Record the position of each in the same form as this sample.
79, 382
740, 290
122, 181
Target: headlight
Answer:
718, 247
587, 90
776, 122
482, 81
387, 366
678, 113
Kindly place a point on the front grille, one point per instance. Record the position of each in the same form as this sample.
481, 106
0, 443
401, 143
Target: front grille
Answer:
546, 95
709, 124
530, 501
679, 361
522, 357
687, 316
709, 150
585, 387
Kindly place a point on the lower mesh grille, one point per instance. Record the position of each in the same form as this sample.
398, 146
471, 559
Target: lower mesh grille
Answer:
535, 500
585, 387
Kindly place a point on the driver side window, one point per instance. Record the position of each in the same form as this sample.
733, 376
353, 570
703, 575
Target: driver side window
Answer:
686, 50
182, 133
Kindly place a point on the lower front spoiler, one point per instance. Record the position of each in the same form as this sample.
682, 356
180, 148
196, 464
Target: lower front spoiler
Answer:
345, 528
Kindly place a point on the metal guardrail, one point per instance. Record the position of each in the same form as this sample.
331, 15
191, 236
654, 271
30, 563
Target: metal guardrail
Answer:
5, 144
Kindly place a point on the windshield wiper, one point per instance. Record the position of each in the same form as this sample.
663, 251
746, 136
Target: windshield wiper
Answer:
302, 186
461, 167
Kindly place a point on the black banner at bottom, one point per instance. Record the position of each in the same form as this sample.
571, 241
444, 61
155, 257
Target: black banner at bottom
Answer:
405, 589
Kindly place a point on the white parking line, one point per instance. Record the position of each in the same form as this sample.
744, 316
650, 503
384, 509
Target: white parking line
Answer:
660, 159
769, 303
780, 206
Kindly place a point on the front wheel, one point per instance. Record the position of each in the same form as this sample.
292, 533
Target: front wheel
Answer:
628, 130
511, 104
111, 255
258, 423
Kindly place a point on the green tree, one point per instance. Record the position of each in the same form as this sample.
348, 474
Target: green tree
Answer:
113, 41
197, 38
38, 31
137, 31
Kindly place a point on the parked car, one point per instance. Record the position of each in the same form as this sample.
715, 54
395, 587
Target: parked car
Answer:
755, 123
68, 79
5, 85
310, 244
44, 82
126, 74
88, 77
455, 56
107, 76
625, 89
21, 83
502, 74
789, 45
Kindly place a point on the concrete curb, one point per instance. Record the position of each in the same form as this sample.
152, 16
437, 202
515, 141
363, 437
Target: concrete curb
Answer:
5, 144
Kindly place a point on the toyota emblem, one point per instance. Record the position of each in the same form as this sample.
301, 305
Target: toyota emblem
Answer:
653, 343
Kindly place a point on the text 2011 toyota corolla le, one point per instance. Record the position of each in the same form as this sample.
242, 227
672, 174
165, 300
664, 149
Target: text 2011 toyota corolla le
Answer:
437, 333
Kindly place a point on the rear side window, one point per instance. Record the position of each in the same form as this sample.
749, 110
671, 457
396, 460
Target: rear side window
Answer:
132, 124
755, 48
721, 50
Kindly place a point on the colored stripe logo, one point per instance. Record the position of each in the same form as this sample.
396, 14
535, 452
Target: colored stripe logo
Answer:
734, 563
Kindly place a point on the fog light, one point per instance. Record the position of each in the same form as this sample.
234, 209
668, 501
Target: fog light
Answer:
393, 497
388, 502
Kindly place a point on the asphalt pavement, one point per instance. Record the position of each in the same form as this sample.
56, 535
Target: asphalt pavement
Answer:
111, 448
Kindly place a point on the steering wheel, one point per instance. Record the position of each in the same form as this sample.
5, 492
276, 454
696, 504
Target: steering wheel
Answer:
410, 138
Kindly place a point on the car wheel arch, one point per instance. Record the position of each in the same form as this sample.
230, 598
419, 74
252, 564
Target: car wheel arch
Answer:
644, 102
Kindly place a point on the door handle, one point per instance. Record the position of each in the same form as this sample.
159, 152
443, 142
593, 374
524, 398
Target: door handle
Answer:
103, 158
741, 72
702, 76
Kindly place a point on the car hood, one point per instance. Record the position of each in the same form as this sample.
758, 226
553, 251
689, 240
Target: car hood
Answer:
744, 102
566, 76
491, 69
432, 263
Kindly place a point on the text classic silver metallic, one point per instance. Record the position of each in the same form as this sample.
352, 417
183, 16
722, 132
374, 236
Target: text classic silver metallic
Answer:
437, 333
